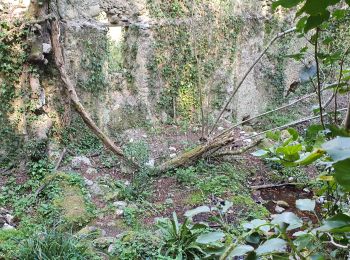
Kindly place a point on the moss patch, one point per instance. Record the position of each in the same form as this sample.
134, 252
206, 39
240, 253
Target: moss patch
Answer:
249, 208
73, 206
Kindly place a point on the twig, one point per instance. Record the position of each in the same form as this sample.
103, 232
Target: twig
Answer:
279, 35
4, 171
287, 125
334, 243
275, 110
267, 186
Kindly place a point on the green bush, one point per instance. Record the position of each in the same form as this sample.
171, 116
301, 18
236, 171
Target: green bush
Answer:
140, 245
51, 244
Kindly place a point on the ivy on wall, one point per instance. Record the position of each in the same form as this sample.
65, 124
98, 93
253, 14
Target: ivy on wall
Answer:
188, 52
12, 57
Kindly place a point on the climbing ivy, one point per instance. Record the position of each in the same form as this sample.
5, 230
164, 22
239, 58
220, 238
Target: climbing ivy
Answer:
12, 57
187, 53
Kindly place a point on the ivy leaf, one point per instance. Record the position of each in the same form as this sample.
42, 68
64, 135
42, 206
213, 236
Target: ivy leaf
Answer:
285, 3
338, 148
305, 204
340, 223
342, 173
241, 250
272, 246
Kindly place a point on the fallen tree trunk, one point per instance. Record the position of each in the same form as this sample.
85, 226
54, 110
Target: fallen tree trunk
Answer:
59, 60
222, 140
196, 153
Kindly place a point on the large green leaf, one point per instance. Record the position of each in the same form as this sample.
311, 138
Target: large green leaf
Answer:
315, 7
306, 204
272, 246
262, 225
241, 250
309, 158
338, 148
338, 224
196, 211
316, 20
289, 218
342, 173
290, 152
209, 238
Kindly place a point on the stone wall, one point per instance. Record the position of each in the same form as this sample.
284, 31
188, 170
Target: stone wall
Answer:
140, 79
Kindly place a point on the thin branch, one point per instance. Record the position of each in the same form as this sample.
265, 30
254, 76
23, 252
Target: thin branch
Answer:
279, 35
287, 125
275, 110
318, 78
334, 243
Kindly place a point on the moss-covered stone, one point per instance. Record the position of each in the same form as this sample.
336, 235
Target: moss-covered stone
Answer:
72, 203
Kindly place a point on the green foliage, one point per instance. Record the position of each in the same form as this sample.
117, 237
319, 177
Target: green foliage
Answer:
137, 245
52, 244
213, 179
137, 151
187, 241
315, 12
186, 59
93, 61
78, 138
293, 151
12, 57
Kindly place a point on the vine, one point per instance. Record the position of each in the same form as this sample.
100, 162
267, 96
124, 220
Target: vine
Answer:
13, 54
188, 53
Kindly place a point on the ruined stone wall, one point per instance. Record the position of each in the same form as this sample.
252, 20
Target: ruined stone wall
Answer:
136, 62
134, 96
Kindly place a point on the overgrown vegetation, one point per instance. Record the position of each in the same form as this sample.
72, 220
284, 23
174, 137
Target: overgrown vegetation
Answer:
212, 209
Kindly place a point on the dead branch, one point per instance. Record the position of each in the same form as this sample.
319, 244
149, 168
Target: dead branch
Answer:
268, 186
212, 146
58, 55
279, 35
240, 151
60, 159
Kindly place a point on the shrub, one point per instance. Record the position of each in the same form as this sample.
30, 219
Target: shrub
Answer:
51, 244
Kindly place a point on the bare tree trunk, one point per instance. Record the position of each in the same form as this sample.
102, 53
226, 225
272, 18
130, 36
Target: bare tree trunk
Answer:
58, 55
